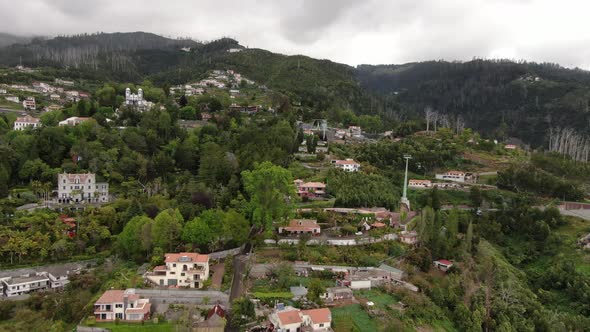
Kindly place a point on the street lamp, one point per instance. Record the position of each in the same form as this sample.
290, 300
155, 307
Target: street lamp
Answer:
404, 199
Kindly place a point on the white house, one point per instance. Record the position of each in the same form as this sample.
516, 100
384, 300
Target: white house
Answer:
301, 226
123, 305
443, 264
25, 284
413, 183
27, 121
73, 121
81, 188
185, 269
348, 165
12, 99
294, 320
456, 176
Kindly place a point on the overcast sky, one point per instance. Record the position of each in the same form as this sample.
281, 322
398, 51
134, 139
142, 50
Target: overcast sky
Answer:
348, 31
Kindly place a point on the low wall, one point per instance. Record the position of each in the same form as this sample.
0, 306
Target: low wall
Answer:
336, 241
225, 253
185, 296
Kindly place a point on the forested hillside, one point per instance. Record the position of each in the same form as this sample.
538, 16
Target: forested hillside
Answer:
494, 97
500, 98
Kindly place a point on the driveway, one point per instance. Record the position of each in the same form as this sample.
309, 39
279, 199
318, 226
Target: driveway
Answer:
217, 279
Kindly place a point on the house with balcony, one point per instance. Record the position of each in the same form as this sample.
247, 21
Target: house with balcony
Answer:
300, 227
29, 103
310, 189
15, 286
185, 269
123, 305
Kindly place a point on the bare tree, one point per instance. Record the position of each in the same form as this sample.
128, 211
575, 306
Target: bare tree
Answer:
429, 116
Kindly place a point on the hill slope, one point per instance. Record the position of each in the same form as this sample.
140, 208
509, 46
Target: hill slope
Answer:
498, 98
502, 98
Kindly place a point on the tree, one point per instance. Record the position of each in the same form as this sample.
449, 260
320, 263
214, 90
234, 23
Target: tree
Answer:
242, 311
167, 228
130, 238
475, 196
315, 290
197, 233
182, 101
270, 190
469, 239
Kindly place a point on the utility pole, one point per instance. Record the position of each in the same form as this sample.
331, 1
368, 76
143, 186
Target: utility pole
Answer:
404, 199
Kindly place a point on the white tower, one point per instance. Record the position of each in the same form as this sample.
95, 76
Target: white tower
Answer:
139, 94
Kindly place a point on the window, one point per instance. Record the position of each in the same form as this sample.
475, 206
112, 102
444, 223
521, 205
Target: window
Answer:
322, 325
118, 305
173, 265
182, 274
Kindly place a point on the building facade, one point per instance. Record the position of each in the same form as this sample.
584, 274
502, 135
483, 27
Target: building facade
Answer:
347, 165
29, 103
301, 226
185, 269
136, 100
123, 305
310, 189
27, 121
291, 319
81, 188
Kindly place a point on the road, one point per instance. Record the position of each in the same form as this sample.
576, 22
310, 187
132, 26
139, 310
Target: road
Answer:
237, 287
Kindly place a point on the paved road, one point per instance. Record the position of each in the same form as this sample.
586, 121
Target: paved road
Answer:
237, 288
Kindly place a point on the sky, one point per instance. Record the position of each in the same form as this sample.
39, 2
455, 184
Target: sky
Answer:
347, 31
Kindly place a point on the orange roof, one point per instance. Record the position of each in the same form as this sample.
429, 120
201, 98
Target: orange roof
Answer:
160, 268
190, 256
378, 224
115, 295
289, 317
302, 225
455, 172
110, 296
145, 308
27, 119
420, 181
318, 316
346, 162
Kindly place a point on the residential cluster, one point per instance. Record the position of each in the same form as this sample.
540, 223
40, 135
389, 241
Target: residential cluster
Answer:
49, 278
55, 95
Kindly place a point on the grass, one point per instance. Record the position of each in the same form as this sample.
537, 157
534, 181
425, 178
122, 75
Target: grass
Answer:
266, 295
381, 300
352, 318
136, 327
317, 204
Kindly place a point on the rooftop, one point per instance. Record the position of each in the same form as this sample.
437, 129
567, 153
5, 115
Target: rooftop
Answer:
187, 257
23, 280
317, 316
289, 317
115, 296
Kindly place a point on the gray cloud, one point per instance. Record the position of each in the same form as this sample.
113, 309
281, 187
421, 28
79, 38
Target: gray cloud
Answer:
353, 32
